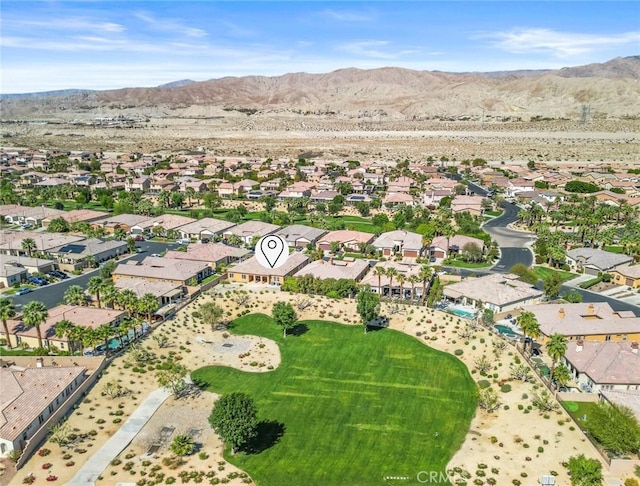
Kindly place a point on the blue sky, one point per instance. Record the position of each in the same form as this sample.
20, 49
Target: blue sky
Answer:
49, 45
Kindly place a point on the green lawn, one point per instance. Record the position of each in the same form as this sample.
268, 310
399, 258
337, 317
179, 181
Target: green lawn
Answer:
15, 351
544, 272
461, 264
614, 249
578, 410
354, 407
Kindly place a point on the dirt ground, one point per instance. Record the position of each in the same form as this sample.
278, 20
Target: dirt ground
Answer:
511, 444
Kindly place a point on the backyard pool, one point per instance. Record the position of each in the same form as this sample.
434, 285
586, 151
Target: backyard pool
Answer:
507, 331
466, 312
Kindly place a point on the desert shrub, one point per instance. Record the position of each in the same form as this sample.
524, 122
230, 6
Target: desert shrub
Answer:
505, 388
458, 352
482, 384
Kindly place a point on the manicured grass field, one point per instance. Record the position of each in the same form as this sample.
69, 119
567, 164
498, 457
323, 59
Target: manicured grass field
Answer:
461, 264
544, 272
355, 408
578, 410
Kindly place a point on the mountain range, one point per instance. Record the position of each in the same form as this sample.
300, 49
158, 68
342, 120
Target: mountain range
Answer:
610, 89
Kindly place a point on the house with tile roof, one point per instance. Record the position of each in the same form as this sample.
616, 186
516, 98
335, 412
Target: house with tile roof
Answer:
399, 242
604, 366
250, 271
214, 254
594, 321
205, 229
30, 396
346, 239
628, 275
249, 229
349, 268
183, 272
299, 235
593, 261
499, 292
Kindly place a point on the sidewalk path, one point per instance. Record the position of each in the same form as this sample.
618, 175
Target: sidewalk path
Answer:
97, 463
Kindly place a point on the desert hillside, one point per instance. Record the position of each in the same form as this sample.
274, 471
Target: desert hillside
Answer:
611, 90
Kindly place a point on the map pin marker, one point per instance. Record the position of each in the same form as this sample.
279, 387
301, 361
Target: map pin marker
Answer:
270, 251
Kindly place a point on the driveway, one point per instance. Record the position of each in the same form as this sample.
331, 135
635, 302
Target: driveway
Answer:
53, 294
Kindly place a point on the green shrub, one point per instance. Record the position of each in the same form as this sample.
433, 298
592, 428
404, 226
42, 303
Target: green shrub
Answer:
458, 352
506, 388
482, 384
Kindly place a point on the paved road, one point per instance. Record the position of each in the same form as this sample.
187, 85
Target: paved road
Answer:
514, 245
98, 462
53, 294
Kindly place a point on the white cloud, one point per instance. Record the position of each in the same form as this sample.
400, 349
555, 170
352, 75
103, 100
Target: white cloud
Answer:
348, 16
559, 44
369, 48
172, 26
62, 24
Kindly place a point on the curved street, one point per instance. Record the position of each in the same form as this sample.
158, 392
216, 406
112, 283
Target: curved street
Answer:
513, 244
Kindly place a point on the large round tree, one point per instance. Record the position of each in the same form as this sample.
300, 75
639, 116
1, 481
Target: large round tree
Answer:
234, 418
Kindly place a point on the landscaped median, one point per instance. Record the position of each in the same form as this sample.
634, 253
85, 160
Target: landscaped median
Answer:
353, 407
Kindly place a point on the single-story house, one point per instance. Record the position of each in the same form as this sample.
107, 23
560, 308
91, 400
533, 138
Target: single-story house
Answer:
595, 321
213, 254
204, 229
165, 292
399, 242
627, 275
299, 236
441, 246
80, 254
183, 272
346, 238
604, 366
15, 269
30, 395
161, 224
499, 292
247, 230
593, 261
122, 221
78, 216
250, 271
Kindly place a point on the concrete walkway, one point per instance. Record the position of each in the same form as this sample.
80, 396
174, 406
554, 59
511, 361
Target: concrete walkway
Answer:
99, 461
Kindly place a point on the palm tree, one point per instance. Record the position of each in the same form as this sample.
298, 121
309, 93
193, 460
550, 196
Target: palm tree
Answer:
391, 272
95, 286
109, 294
128, 300
34, 314
104, 333
28, 246
148, 304
74, 295
556, 349
379, 271
63, 329
425, 275
7, 311
402, 278
530, 327
414, 280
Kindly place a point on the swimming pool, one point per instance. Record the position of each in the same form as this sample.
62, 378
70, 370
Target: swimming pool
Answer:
465, 312
507, 331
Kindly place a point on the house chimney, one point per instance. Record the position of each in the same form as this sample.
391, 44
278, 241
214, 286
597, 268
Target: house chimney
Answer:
561, 313
634, 347
579, 345
39, 362
591, 308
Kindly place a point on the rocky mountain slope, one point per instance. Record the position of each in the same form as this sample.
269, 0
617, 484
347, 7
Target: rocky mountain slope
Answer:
611, 90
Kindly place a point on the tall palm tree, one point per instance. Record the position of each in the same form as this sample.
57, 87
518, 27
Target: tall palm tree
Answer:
95, 286
74, 295
425, 275
104, 333
402, 278
556, 349
64, 328
34, 314
414, 280
379, 271
7, 311
128, 300
148, 304
109, 294
530, 327
391, 272
29, 246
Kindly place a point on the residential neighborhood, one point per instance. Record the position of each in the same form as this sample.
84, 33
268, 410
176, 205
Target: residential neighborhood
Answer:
182, 228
